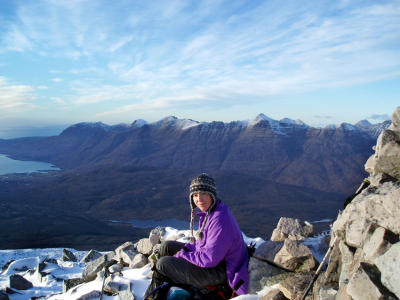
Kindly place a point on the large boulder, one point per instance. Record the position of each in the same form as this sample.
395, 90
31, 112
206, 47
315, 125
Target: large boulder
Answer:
67, 255
91, 256
295, 256
20, 283
93, 267
389, 266
113, 286
70, 283
294, 287
387, 150
125, 253
365, 284
293, 229
144, 246
90, 295
274, 294
376, 205
139, 261
155, 236
260, 270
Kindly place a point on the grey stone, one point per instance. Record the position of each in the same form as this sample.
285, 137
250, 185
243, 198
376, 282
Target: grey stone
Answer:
91, 269
395, 120
294, 255
90, 296
113, 287
68, 256
360, 287
91, 256
139, 261
115, 268
20, 283
342, 293
144, 246
387, 152
272, 280
258, 270
70, 283
355, 232
377, 244
379, 205
155, 236
389, 266
126, 295
293, 287
346, 261
291, 229
125, 253
327, 294
275, 294
333, 270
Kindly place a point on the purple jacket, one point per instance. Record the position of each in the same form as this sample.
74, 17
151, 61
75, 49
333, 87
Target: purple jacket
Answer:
222, 240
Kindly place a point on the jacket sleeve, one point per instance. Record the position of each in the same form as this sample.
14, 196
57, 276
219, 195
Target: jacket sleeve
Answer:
218, 242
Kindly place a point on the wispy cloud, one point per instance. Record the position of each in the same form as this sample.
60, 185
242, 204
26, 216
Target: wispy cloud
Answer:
14, 97
154, 56
322, 117
379, 117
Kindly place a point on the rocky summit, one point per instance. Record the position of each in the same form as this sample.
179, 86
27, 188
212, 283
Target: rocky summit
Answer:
365, 262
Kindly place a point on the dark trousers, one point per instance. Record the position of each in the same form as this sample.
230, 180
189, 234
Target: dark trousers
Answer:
181, 272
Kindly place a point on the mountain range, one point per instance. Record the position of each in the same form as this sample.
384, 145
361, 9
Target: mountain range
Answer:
264, 168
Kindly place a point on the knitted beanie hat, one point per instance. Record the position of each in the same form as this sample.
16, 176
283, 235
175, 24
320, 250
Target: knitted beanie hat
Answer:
202, 183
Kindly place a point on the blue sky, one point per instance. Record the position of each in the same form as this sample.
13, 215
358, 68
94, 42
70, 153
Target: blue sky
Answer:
324, 62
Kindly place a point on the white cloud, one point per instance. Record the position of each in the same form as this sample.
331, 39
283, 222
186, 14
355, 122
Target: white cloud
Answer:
15, 98
57, 79
58, 100
218, 52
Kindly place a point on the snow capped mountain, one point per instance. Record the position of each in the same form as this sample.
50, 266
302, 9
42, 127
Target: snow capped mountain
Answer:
363, 124
281, 127
173, 121
373, 129
293, 122
138, 123
348, 126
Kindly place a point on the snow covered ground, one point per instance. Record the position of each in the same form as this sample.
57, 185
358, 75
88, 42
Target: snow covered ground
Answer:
25, 263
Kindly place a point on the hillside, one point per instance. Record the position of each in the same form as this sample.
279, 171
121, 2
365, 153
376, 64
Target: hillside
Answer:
264, 168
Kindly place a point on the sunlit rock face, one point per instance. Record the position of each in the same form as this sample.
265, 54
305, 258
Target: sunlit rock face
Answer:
367, 257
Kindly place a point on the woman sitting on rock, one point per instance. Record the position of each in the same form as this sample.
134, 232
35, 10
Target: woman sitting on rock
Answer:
217, 256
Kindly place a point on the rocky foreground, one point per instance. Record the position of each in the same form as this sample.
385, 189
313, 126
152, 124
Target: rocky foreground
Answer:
364, 263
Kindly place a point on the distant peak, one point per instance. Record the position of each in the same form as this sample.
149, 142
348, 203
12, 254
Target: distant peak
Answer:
177, 123
261, 116
348, 126
169, 119
293, 122
138, 123
90, 125
363, 123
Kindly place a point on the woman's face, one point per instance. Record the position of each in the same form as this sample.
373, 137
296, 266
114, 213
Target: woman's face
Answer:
202, 200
